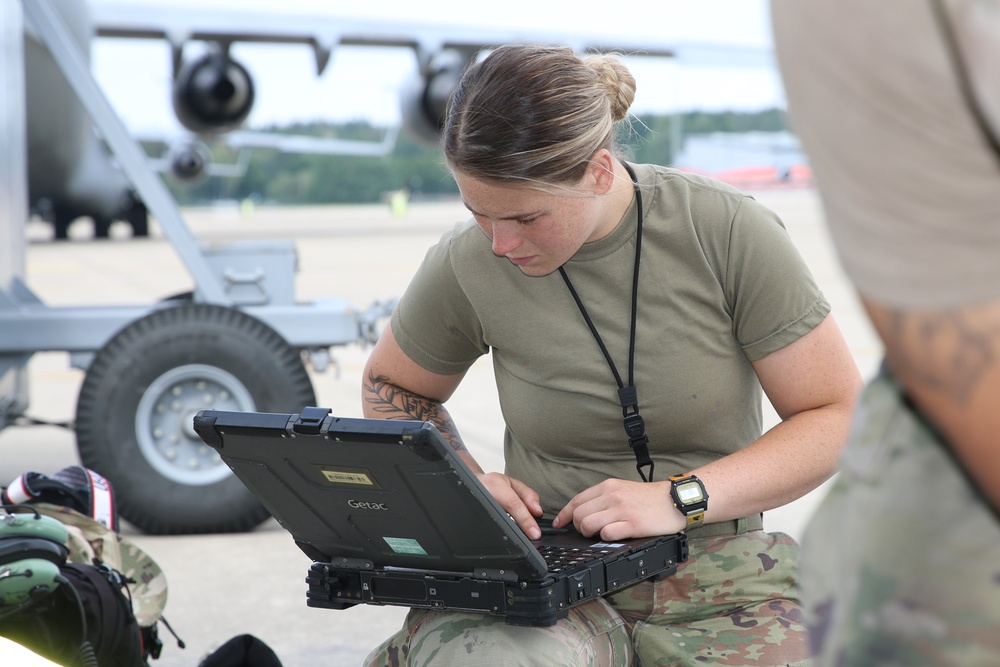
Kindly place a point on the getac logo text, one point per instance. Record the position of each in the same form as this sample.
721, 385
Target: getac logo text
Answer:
364, 505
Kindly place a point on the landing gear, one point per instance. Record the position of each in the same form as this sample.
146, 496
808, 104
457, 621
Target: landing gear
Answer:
136, 215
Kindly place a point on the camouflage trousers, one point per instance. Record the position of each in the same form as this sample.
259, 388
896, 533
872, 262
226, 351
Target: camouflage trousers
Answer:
734, 602
901, 562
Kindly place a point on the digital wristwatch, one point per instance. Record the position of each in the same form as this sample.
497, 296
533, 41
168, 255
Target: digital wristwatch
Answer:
690, 498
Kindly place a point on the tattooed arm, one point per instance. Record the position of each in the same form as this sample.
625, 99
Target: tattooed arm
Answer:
396, 387
949, 362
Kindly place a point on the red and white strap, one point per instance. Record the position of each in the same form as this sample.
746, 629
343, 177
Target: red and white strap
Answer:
102, 504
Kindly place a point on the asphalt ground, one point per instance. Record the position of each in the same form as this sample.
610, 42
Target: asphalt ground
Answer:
221, 586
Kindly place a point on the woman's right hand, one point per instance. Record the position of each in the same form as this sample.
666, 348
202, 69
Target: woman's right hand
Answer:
518, 499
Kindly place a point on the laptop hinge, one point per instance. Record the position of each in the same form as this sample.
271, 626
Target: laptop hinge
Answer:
310, 420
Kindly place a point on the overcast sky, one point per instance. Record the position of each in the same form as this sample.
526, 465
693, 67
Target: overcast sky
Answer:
364, 82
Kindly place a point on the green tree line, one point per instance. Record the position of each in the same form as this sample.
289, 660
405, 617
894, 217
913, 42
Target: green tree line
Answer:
299, 178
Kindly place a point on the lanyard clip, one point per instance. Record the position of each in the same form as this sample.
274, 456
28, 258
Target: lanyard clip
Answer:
635, 429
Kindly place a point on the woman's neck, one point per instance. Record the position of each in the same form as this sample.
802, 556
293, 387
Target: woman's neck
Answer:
618, 200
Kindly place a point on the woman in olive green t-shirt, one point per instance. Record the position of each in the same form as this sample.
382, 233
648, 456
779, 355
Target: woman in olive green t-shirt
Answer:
607, 290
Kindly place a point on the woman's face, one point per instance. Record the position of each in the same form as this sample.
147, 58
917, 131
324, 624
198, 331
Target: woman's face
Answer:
537, 231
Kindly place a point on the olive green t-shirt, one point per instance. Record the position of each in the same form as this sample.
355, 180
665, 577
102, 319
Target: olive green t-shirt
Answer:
720, 285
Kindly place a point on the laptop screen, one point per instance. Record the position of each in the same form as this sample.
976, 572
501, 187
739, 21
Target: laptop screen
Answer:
374, 493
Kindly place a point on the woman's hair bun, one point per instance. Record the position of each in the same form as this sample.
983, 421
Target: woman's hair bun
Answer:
617, 80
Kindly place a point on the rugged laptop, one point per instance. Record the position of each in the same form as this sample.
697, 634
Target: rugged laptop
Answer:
391, 515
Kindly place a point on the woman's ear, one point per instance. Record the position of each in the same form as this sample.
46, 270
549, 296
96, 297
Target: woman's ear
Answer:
601, 172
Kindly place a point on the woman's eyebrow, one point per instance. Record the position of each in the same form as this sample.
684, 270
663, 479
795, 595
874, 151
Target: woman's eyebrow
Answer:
519, 216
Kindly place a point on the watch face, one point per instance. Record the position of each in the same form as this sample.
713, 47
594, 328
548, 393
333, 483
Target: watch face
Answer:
689, 492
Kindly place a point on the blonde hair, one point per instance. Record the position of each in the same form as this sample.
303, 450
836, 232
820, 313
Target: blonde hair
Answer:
535, 113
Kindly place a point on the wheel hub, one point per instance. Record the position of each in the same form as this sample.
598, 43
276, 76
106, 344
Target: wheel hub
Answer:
165, 421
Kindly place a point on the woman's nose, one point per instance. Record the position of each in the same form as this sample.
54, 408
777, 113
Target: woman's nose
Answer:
505, 237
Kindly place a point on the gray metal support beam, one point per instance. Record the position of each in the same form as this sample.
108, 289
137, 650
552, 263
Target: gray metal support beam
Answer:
29, 328
13, 145
13, 194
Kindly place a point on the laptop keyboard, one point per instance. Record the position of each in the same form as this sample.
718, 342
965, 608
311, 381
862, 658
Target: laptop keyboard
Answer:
559, 558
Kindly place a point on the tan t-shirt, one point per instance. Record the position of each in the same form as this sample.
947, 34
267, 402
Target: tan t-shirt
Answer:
910, 182
720, 285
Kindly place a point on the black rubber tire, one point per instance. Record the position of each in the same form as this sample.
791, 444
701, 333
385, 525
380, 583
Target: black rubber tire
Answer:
138, 218
192, 345
61, 221
102, 227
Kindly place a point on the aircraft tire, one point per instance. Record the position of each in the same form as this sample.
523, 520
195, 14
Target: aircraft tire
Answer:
102, 227
138, 218
60, 226
138, 399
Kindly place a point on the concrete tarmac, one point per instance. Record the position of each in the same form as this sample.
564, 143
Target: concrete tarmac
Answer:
225, 585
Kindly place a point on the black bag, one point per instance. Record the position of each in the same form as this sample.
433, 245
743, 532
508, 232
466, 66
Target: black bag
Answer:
242, 651
87, 620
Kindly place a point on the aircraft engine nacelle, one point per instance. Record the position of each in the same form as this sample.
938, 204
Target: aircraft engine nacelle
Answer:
188, 163
425, 100
212, 94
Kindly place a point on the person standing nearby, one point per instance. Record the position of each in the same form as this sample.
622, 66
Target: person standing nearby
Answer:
897, 105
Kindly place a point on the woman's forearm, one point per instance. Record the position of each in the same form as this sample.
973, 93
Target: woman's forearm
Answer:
384, 400
785, 463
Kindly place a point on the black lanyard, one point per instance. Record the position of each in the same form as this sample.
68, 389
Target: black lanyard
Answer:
635, 428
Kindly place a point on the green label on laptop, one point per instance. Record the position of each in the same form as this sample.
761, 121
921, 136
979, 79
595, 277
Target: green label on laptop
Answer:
404, 545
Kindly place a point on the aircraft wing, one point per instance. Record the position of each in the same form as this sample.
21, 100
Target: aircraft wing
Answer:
293, 143
324, 32
188, 159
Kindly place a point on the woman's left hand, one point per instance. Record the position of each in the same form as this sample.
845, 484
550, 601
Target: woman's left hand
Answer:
618, 509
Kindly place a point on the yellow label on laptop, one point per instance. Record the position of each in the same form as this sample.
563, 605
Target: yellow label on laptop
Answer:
405, 545
348, 476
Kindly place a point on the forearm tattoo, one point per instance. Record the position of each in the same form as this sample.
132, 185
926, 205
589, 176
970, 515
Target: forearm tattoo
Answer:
947, 352
392, 402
